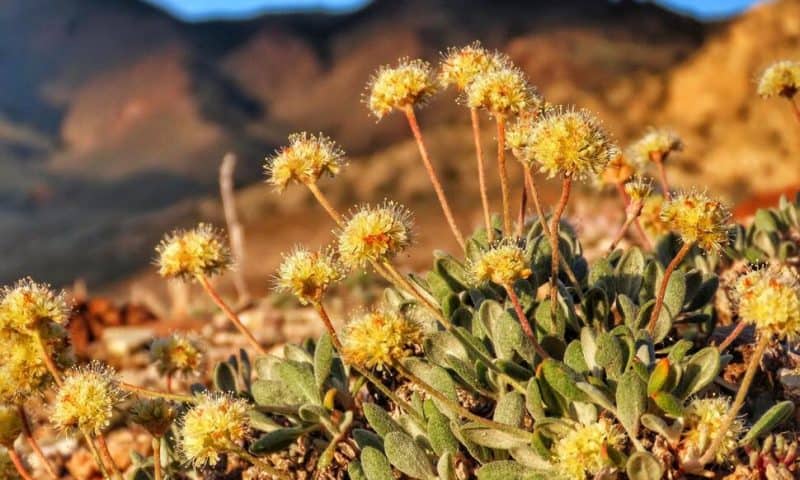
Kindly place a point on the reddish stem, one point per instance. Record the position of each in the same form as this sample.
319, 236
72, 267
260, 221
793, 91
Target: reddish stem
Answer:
230, 314
658, 159
18, 464
524, 322
27, 433
662, 289
476, 135
643, 238
732, 336
501, 167
566, 187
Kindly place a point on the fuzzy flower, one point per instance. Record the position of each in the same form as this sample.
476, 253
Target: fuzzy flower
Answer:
770, 299
86, 400
572, 143
374, 234
639, 189
176, 354
189, 254
27, 305
698, 219
155, 415
703, 420
618, 170
23, 372
460, 66
308, 275
215, 425
654, 145
502, 91
502, 264
780, 79
380, 338
409, 83
581, 451
10, 425
305, 160
651, 216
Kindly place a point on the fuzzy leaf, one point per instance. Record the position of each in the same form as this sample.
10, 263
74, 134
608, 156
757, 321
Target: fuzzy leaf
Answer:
276, 440
597, 395
323, 359
274, 393
610, 354
299, 379
573, 357
658, 377
505, 470
439, 433
629, 272
452, 272
407, 456
366, 438
533, 400
562, 379
355, 472
438, 378
699, 372
769, 420
380, 420
489, 437
669, 404
375, 465
225, 377
439, 345
673, 302
510, 409
631, 400
445, 467
644, 466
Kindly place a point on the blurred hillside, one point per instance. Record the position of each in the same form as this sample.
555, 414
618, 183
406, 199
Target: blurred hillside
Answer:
114, 116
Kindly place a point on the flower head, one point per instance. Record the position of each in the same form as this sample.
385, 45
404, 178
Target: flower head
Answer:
572, 143
780, 79
23, 372
409, 83
698, 219
308, 275
618, 170
26, 305
10, 426
460, 66
581, 451
176, 354
379, 338
651, 216
213, 426
502, 91
703, 421
305, 160
201, 251
655, 145
155, 415
770, 299
639, 189
502, 264
374, 234
86, 400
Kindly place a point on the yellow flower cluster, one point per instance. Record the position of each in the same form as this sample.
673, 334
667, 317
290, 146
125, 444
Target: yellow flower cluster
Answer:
703, 420
639, 189
380, 338
176, 354
581, 451
502, 91
305, 160
374, 234
27, 305
308, 275
216, 424
654, 145
770, 299
780, 79
85, 402
460, 66
502, 264
651, 216
188, 254
409, 83
698, 219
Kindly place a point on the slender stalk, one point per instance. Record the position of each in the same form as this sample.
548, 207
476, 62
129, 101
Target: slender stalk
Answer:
537, 204
230, 314
19, 464
410, 288
500, 120
523, 321
476, 135
643, 238
326, 320
738, 402
146, 392
325, 203
732, 336
106, 456
630, 217
437, 185
158, 474
257, 462
662, 289
566, 187
658, 159
95, 454
27, 434
48, 361
523, 205
235, 230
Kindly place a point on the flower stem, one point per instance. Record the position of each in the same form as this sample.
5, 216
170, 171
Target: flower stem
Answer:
19, 464
732, 336
48, 361
157, 472
95, 453
325, 203
523, 321
501, 168
146, 392
658, 159
630, 217
738, 402
230, 314
106, 455
523, 205
643, 238
437, 186
476, 135
662, 289
566, 187
27, 433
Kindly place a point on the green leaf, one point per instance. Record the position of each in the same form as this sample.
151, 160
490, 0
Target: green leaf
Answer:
407, 456
510, 409
630, 272
323, 359
673, 302
699, 372
562, 379
380, 420
375, 465
225, 377
502, 470
299, 378
573, 357
669, 404
644, 466
610, 354
452, 272
533, 400
439, 433
631, 401
439, 345
274, 393
769, 420
355, 472
597, 396
489, 437
445, 467
438, 378
658, 377
366, 438
276, 440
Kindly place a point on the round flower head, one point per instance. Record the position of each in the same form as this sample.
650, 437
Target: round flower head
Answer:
655, 145
374, 234
155, 415
639, 189
10, 425
580, 452
28, 304
201, 251
306, 159
651, 216
409, 83
176, 354
502, 264
23, 372
572, 143
703, 421
501, 91
213, 426
770, 299
780, 79
460, 66
698, 219
86, 400
308, 275
380, 338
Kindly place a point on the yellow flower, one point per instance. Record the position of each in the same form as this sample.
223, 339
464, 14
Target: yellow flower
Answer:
409, 83
215, 425
780, 79
176, 354
308, 275
698, 219
23, 372
86, 400
581, 451
656, 144
639, 189
618, 170
502, 91
380, 338
305, 160
703, 421
374, 234
188, 254
571, 143
651, 216
27, 305
460, 66
502, 264
770, 299
10, 425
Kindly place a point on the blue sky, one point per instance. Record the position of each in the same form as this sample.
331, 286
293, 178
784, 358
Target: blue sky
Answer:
205, 9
